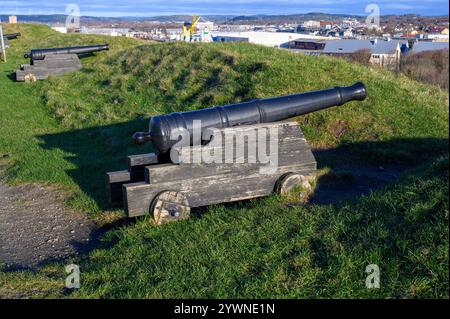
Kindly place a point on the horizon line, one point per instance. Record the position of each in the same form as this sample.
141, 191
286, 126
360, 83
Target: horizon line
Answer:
224, 15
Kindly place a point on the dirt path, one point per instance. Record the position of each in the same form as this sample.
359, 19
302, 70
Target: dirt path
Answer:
36, 227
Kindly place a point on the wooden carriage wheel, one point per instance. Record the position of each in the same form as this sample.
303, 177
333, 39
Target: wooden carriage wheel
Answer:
170, 206
30, 78
289, 181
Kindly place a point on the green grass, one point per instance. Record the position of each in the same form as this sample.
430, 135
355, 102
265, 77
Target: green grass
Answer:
24, 117
266, 249
70, 130
269, 250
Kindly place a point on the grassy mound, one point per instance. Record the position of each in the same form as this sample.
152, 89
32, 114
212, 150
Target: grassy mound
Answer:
24, 120
165, 78
41, 36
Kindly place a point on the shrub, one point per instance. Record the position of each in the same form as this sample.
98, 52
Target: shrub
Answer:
361, 56
429, 67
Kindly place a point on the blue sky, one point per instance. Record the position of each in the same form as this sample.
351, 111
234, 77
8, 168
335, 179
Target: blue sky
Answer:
114, 8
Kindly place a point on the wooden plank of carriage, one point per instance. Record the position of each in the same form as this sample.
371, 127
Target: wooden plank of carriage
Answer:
135, 173
210, 189
204, 184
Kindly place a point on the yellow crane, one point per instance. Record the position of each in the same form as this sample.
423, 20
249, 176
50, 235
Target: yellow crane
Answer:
190, 26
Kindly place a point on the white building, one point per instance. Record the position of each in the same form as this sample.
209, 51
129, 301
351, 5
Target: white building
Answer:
351, 22
205, 25
12, 19
204, 30
270, 39
438, 37
311, 24
60, 29
348, 33
113, 32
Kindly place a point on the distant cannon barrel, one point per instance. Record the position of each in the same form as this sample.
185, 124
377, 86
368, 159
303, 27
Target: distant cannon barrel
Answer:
246, 113
40, 54
11, 36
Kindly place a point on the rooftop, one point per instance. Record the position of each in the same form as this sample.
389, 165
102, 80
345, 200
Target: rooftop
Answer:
268, 38
351, 46
429, 46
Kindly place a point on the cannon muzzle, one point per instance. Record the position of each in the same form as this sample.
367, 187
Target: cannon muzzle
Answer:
40, 54
246, 113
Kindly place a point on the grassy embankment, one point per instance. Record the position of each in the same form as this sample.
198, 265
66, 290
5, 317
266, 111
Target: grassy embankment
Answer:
68, 131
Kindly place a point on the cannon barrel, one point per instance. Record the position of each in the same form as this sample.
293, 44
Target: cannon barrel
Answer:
251, 112
11, 36
40, 54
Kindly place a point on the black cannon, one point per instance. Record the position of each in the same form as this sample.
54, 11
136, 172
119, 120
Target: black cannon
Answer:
11, 36
54, 61
40, 54
167, 187
246, 113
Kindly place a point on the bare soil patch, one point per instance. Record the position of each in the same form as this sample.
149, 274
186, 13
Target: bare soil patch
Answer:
36, 227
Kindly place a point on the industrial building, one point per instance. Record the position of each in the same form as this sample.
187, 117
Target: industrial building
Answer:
429, 46
113, 32
270, 39
383, 53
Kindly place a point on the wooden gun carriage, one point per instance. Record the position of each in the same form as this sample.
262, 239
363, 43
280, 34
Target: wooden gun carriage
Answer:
168, 191
54, 61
